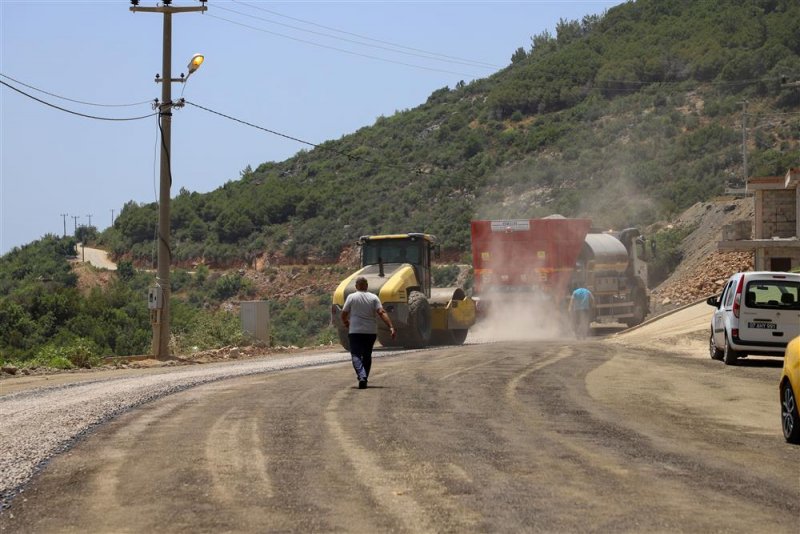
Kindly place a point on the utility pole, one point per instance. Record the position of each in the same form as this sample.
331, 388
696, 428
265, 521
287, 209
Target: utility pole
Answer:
159, 296
112, 216
744, 139
75, 222
64, 219
90, 219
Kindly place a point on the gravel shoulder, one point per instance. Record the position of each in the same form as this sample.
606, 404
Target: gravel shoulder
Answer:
44, 415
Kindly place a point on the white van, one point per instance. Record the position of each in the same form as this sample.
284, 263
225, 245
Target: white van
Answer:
757, 313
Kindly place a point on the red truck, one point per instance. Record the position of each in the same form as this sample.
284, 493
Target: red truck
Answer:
542, 260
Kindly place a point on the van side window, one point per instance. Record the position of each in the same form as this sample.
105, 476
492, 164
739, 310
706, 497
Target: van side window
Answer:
729, 293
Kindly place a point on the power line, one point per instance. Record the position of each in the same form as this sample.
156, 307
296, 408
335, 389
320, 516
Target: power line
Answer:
320, 147
397, 48
285, 136
368, 56
73, 100
75, 112
477, 63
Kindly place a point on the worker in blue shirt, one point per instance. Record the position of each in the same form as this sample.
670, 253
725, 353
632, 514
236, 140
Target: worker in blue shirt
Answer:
581, 311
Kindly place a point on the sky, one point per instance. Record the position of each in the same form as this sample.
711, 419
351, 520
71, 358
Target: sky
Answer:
311, 70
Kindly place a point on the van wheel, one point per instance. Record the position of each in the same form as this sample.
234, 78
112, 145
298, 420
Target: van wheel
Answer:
790, 420
715, 352
729, 356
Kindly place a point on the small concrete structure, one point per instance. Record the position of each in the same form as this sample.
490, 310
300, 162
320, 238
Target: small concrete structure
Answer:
773, 235
255, 319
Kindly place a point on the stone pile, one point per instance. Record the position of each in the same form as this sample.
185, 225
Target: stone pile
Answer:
707, 278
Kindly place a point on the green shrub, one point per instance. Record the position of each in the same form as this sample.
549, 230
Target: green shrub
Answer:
445, 275
80, 352
668, 253
194, 329
57, 362
125, 270
227, 285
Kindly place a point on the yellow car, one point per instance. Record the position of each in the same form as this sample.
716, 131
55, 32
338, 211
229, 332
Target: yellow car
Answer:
790, 392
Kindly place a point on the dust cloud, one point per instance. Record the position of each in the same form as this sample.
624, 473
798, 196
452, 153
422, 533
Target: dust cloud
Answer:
520, 317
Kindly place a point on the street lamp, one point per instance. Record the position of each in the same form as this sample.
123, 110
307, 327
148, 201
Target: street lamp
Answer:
195, 63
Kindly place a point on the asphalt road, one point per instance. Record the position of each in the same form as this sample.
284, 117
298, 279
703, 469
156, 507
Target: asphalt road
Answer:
597, 436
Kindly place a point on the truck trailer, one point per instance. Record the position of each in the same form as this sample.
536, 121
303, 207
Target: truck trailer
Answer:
543, 260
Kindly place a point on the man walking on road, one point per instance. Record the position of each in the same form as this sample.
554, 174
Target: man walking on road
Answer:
358, 316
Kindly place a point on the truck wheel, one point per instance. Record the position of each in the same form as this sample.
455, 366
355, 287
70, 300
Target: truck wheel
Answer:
715, 352
729, 356
344, 340
418, 332
639, 310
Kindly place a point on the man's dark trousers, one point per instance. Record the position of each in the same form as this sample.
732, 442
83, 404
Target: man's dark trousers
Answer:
361, 353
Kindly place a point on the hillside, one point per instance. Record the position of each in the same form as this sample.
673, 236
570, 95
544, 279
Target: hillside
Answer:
643, 104
631, 119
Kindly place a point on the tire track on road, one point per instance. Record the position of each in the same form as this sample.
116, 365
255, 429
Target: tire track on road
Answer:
387, 488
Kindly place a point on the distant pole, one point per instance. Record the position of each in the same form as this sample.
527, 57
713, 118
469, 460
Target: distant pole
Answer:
75, 222
112, 216
64, 219
744, 139
90, 219
160, 321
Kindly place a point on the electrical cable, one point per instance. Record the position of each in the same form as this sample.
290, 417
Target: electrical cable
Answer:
444, 56
429, 56
368, 56
350, 157
164, 239
75, 112
73, 100
153, 250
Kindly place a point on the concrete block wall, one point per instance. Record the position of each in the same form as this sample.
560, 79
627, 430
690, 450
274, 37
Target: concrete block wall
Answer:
764, 255
737, 231
778, 214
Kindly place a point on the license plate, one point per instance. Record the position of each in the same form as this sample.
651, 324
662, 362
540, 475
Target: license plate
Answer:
768, 326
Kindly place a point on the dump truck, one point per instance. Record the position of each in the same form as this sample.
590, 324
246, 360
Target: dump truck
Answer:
542, 260
398, 270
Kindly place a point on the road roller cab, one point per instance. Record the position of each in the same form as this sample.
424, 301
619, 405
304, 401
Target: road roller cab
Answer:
398, 270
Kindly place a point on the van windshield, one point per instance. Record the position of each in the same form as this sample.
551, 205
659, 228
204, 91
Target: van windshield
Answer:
773, 294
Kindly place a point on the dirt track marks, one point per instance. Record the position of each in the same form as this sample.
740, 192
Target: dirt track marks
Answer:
236, 459
387, 488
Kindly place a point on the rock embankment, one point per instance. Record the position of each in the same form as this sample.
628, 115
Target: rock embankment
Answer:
703, 269
707, 279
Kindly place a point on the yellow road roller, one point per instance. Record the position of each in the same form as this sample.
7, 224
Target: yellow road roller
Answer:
398, 270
